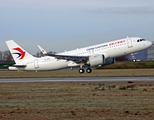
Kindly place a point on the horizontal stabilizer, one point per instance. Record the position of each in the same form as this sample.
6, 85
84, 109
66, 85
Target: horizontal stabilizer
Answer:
19, 65
14, 66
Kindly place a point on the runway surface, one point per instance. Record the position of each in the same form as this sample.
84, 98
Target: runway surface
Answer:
80, 79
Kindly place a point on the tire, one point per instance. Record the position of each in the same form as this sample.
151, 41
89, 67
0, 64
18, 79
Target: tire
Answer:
134, 60
89, 70
81, 71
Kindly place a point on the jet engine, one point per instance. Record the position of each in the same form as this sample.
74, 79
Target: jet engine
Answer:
96, 60
109, 61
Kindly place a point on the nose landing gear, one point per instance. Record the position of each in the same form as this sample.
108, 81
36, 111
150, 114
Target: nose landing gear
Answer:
134, 58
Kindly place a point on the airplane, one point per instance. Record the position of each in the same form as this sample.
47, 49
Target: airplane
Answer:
96, 55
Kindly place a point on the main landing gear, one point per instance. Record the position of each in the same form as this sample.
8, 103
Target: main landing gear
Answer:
88, 70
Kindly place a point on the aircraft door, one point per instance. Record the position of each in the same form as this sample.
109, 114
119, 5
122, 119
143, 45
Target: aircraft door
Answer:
36, 64
129, 42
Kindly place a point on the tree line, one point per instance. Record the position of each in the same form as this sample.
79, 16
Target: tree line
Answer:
6, 57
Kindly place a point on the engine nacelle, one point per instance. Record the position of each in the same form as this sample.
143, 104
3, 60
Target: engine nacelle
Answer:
109, 61
96, 60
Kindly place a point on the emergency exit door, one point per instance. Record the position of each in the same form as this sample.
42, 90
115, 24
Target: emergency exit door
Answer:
129, 42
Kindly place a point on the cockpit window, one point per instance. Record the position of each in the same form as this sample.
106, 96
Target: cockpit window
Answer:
140, 40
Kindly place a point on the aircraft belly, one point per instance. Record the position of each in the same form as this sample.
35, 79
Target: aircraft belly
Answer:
115, 52
53, 65
121, 52
30, 67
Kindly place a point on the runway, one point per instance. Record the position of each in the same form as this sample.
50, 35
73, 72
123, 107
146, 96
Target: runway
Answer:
80, 79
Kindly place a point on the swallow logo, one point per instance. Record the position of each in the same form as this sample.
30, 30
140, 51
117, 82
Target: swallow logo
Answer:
21, 53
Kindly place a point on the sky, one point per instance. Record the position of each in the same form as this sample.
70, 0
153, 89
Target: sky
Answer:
59, 25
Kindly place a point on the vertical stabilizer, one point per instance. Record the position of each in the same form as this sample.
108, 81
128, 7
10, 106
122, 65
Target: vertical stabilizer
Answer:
18, 53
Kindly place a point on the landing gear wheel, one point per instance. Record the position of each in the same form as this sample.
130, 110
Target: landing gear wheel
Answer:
81, 71
134, 60
89, 70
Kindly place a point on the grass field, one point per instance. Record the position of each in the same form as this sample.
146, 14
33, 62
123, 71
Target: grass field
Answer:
74, 73
129, 65
77, 101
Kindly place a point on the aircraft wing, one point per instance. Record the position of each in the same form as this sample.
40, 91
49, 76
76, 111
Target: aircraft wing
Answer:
76, 59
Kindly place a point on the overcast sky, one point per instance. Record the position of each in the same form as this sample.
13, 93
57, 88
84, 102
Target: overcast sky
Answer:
59, 25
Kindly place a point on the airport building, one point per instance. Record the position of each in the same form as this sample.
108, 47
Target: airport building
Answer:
150, 52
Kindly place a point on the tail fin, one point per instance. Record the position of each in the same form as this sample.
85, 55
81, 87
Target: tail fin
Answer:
18, 53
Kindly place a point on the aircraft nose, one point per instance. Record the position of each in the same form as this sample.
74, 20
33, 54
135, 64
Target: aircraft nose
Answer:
149, 43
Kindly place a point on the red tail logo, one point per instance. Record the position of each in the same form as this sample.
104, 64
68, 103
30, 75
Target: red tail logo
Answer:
21, 53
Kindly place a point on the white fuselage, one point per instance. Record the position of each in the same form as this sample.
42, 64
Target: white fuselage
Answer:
109, 50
